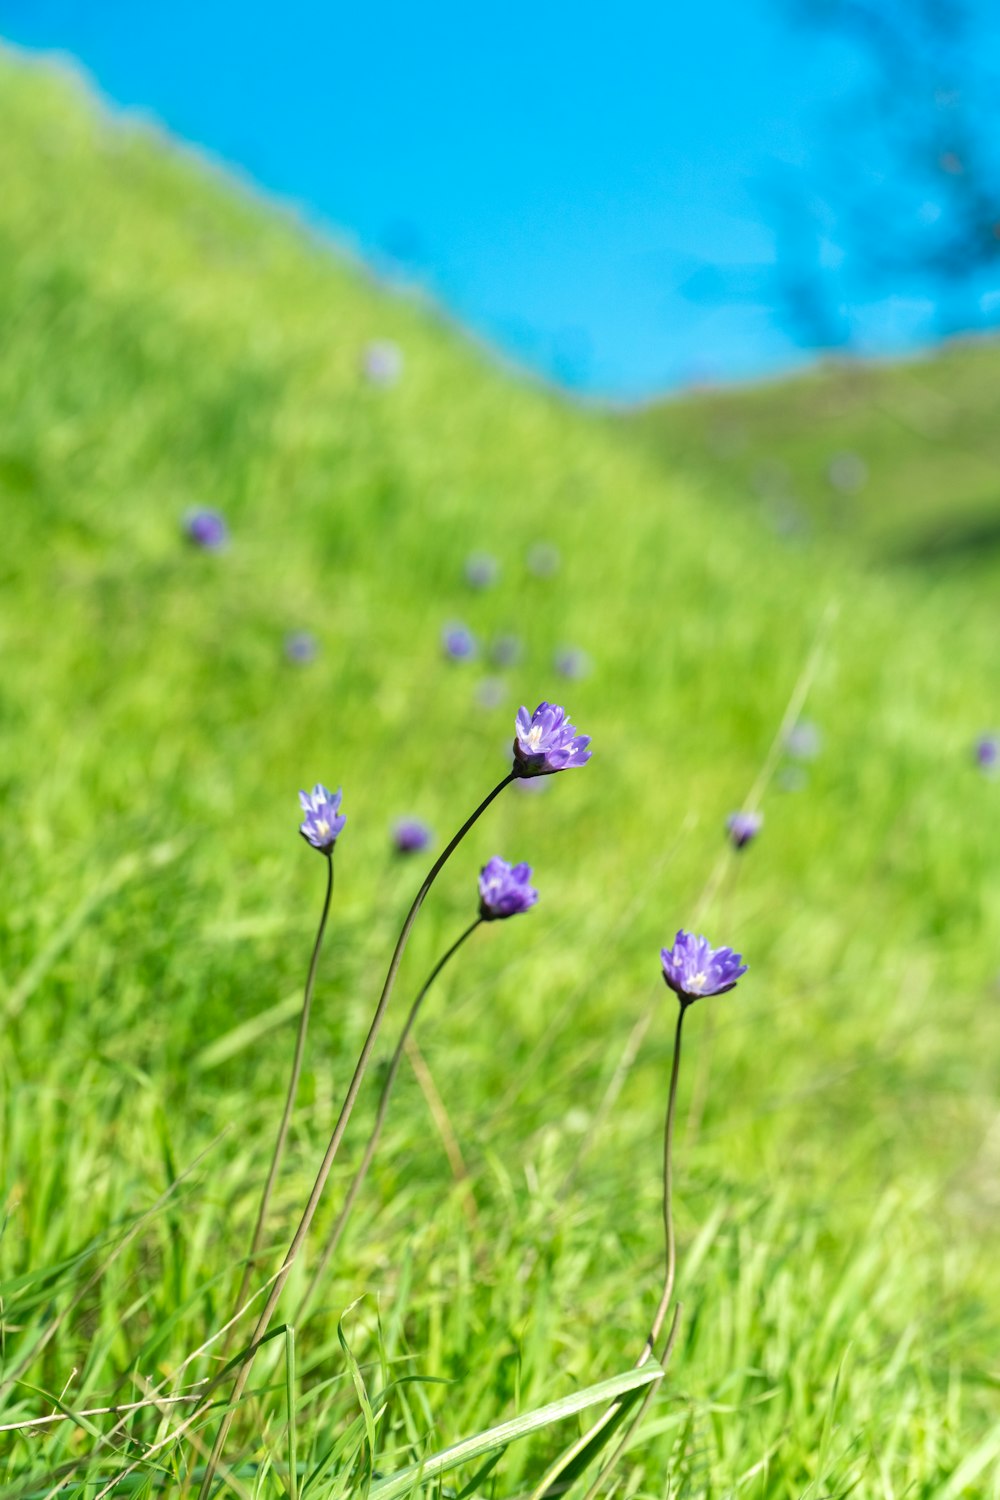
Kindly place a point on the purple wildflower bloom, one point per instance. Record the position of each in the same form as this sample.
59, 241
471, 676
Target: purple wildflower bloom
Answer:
803, 741
504, 889
491, 692
571, 662
543, 559
693, 968
410, 835
323, 821
481, 570
506, 650
206, 529
382, 362
743, 828
988, 752
546, 741
300, 647
459, 643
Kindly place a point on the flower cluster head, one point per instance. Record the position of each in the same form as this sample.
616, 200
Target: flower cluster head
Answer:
481, 570
504, 889
410, 836
206, 529
458, 642
301, 647
571, 662
323, 819
382, 362
988, 752
546, 741
743, 827
692, 968
803, 740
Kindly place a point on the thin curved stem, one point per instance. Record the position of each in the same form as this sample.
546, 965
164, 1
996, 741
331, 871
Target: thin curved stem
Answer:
293, 1088
346, 1109
668, 1217
383, 1108
544, 1486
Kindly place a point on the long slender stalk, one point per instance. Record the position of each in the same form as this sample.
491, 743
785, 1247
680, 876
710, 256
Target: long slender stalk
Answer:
358, 1181
346, 1109
548, 1479
293, 1088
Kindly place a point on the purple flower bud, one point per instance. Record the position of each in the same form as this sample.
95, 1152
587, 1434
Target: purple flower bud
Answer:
546, 741
743, 827
692, 968
571, 662
323, 821
206, 529
481, 570
410, 835
382, 363
458, 642
300, 647
803, 741
504, 889
988, 752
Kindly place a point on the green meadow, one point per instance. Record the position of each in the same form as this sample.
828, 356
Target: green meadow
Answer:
168, 341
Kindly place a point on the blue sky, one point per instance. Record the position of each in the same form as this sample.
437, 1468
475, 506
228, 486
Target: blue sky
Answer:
555, 173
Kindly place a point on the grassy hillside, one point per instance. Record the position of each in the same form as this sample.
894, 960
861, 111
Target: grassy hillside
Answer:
899, 458
167, 342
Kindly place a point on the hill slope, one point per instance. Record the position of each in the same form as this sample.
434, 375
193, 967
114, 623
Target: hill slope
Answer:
169, 342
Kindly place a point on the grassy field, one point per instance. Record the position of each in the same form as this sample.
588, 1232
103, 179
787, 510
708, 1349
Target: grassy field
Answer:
168, 342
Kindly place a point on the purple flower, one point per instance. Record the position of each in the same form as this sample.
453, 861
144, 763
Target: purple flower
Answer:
692, 968
410, 835
324, 820
300, 647
481, 570
206, 529
803, 741
506, 650
459, 643
504, 889
382, 362
570, 661
988, 752
543, 559
743, 828
546, 741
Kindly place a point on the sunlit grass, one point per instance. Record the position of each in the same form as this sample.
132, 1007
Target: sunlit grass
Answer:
168, 344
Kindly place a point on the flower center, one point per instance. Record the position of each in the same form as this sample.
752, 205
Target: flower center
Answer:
322, 826
533, 739
697, 982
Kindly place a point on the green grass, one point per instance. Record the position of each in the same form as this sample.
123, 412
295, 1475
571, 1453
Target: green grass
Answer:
168, 341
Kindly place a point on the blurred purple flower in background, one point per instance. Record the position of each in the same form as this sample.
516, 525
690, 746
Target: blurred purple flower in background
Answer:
382, 362
410, 835
300, 647
504, 889
847, 472
324, 820
206, 529
491, 692
988, 752
459, 643
803, 741
543, 559
743, 827
693, 968
481, 570
546, 741
571, 662
506, 650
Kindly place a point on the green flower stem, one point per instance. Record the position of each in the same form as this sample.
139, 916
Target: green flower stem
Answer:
278, 1285
293, 1088
383, 1106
